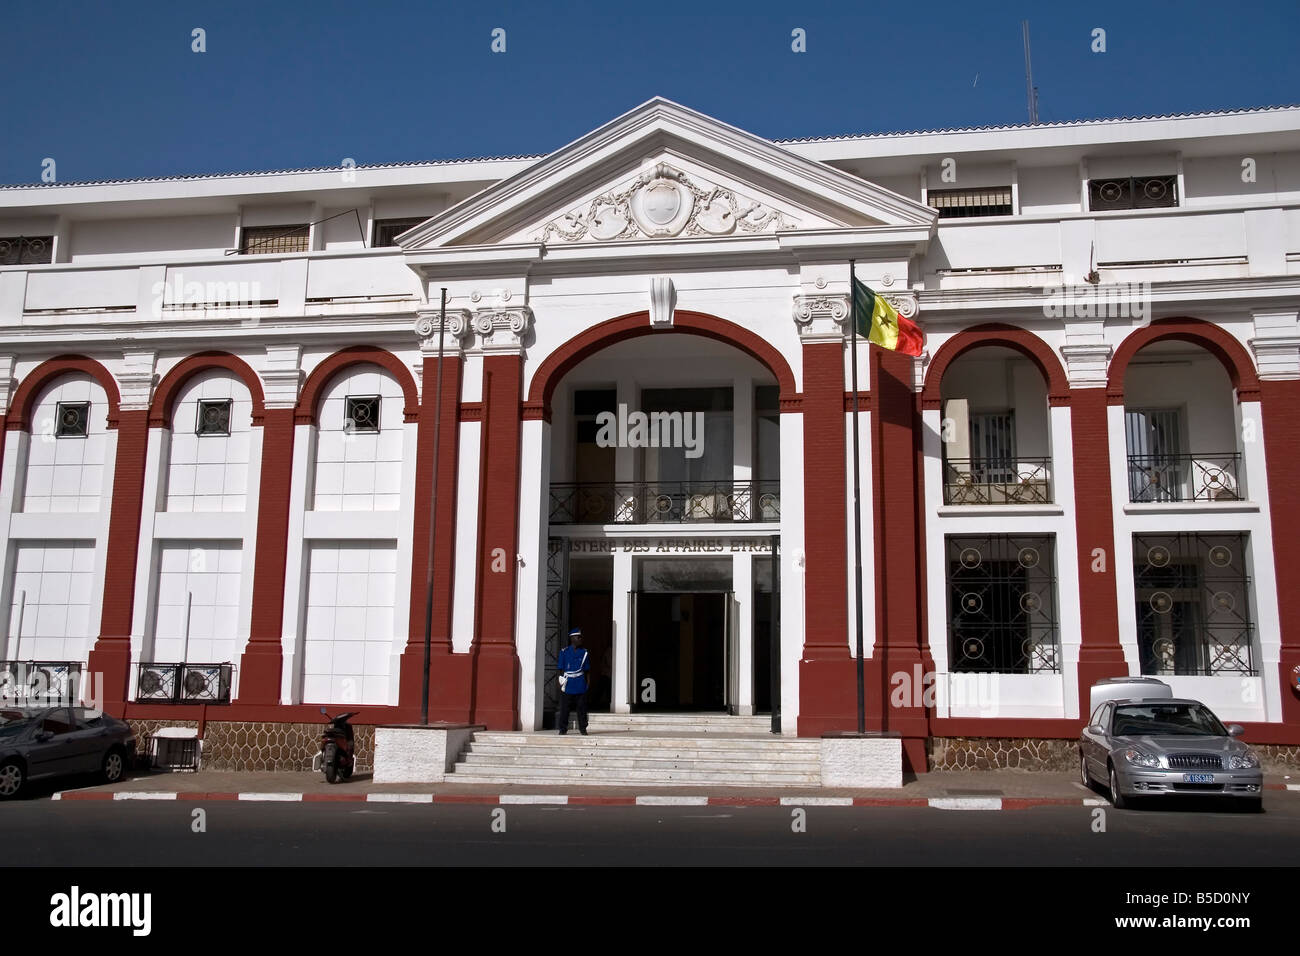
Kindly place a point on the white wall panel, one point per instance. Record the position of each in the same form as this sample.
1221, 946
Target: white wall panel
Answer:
349, 631
67, 474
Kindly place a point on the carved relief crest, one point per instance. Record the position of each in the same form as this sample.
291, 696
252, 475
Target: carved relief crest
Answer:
661, 203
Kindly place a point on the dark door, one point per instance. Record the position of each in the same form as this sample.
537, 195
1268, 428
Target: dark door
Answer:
681, 660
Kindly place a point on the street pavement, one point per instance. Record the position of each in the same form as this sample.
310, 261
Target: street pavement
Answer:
222, 832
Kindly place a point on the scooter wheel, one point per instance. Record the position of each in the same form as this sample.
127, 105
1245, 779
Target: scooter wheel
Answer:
331, 764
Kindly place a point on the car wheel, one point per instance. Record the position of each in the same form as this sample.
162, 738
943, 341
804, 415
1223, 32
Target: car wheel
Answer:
1254, 806
1116, 798
12, 777
113, 767
1085, 777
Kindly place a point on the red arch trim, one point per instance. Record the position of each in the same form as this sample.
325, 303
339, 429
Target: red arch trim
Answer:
305, 411
556, 365
996, 333
1210, 337
36, 380
164, 397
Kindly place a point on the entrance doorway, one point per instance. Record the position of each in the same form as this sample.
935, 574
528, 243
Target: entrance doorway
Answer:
681, 652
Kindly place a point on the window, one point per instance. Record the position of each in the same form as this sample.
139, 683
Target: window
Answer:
361, 413
963, 203
1002, 604
57, 722
1193, 604
1136, 192
386, 231
24, 250
268, 240
73, 419
1155, 459
88, 719
213, 417
993, 446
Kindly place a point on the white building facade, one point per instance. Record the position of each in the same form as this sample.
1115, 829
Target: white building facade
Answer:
225, 417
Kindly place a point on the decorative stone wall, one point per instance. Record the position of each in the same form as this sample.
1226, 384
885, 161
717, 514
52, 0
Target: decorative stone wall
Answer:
992, 753
1278, 758
274, 746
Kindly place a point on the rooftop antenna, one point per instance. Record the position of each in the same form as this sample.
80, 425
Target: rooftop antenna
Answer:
1031, 91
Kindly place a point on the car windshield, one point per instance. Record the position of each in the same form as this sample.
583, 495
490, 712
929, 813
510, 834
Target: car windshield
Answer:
1172, 719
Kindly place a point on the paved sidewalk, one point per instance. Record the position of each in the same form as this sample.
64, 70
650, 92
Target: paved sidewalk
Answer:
982, 790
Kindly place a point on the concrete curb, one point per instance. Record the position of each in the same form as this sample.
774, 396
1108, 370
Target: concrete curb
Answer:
645, 800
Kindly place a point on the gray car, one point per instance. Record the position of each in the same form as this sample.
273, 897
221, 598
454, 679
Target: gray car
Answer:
42, 742
1167, 747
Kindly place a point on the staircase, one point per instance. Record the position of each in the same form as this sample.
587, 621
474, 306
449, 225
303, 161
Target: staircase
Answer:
635, 750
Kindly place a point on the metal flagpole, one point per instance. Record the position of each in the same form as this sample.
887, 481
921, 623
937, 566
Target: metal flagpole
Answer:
433, 517
857, 500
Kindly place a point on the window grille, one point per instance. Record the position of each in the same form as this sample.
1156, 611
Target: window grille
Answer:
386, 231
270, 240
213, 416
361, 413
25, 250
1002, 615
1192, 598
962, 203
73, 419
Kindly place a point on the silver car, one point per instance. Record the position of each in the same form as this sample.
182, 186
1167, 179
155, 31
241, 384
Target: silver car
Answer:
1167, 747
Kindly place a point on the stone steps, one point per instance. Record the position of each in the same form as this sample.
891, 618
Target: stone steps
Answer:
642, 757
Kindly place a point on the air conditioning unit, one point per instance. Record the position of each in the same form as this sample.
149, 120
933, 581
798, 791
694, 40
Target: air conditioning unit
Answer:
156, 682
205, 682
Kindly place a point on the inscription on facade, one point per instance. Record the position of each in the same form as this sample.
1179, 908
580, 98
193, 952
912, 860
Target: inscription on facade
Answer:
669, 545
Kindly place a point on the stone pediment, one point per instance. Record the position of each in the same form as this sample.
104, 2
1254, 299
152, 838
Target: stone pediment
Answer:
665, 172
665, 202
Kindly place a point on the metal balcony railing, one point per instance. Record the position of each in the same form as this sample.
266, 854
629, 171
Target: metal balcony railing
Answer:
991, 481
1171, 478
667, 502
184, 683
39, 682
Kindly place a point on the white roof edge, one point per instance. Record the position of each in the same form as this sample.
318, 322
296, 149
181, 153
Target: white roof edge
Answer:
1153, 129
864, 145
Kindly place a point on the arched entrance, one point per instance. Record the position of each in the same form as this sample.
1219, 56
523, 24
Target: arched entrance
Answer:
660, 506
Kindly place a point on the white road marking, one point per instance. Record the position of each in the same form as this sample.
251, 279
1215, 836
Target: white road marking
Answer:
278, 797
966, 803
399, 798
816, 801
658, 801
143, 795
533, 798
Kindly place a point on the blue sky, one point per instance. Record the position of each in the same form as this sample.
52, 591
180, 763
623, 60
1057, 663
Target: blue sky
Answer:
111, 88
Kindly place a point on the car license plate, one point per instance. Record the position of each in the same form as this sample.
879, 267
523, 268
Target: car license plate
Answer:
1198, 778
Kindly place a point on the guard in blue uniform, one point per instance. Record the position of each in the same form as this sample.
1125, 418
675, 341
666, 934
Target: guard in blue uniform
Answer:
574, 665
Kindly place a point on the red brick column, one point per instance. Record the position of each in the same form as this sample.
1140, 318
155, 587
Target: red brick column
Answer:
262, 661
111, 655
496, 665
899, 650
449, 675
1280, 410
827, 681
1100, 654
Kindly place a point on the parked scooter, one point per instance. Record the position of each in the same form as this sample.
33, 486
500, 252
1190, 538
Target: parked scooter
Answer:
337, 748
